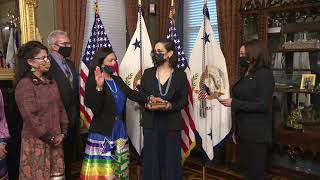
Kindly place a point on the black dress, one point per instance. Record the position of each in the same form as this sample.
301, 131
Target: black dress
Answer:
251, 102
162, 129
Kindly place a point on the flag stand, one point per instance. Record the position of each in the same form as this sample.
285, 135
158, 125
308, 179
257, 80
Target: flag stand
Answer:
204, 172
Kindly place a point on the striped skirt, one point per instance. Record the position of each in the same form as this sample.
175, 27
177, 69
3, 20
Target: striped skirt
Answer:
106, 157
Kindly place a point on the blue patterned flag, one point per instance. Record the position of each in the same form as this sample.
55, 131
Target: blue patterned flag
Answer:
209, 80
98, 39
188, 132
136, 59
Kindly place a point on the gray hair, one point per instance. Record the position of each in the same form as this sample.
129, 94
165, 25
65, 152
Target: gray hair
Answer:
52, 36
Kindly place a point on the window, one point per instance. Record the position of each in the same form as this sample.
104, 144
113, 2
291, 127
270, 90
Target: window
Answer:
192, 21
114, 21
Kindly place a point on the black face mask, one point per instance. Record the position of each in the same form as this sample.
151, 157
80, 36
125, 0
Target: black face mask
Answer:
107, 69
157, 58
244, 61
65, 51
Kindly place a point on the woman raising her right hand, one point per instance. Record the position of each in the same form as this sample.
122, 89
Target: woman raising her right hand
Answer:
107, 149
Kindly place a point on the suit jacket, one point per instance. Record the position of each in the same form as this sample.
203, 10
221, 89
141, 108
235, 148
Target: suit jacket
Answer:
177, 96
102, 103
251, 102
69, 95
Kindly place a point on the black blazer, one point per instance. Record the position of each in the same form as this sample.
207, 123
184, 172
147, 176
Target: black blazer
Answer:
69, 95
251, 102
177, 96
103, 105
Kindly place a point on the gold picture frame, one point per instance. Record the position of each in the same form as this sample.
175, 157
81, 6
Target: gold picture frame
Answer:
29, 30
308, 81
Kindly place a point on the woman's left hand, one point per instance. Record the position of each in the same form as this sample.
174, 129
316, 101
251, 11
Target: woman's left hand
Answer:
225, 102
58, 139
168, 106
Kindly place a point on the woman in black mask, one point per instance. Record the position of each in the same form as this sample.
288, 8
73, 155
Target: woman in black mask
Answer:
162, 126
251, 102
107, 149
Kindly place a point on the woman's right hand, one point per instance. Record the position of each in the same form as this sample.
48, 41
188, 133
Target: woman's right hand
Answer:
99, 77
3, 150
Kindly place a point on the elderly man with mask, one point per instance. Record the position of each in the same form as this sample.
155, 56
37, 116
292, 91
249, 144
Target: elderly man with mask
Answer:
67, 78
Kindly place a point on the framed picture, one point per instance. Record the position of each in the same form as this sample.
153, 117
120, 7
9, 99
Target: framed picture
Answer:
308, 81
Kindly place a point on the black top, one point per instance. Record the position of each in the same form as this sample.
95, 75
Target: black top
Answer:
69, 95
251, 102
177, 96
103, 105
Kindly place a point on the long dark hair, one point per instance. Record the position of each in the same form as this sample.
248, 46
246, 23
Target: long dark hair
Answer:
257, 53
169, 46
27, 51
98, 58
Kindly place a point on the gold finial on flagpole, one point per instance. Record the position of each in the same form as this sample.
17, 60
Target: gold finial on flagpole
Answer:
172, 10
95, 7
139, 2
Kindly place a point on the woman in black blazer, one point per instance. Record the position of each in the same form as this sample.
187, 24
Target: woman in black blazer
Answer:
162, 127
107, 150
251, 102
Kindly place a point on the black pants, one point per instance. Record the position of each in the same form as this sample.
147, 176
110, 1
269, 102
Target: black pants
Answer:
161, 154
252, 159
68, 145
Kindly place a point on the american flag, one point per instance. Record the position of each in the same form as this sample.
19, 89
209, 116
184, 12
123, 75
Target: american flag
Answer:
204, 92
98, 39
188, 131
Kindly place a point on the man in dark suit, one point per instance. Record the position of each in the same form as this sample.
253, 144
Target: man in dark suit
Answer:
64, 72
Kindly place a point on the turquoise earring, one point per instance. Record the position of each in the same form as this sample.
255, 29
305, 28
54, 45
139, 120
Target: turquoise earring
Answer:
32, 69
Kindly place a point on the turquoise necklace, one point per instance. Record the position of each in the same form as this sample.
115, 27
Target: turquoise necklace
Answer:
115, 87
168, 85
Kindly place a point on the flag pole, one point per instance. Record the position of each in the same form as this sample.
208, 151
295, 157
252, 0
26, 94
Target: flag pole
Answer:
171, 16
141, 61
203, 103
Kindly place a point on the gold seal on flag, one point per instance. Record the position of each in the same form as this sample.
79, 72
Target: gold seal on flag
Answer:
212, 83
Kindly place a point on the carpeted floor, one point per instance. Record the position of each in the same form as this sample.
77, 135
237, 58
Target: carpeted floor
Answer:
192, 170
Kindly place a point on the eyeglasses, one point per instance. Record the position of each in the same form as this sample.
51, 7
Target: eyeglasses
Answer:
43, 58
65, 44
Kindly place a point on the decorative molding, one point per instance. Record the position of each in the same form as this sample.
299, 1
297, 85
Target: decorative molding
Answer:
270, 6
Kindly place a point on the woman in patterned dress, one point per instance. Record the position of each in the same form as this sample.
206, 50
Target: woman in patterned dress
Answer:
4, 135
107, 149
43, 114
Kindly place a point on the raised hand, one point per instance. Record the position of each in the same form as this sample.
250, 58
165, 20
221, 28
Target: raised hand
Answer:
99, 77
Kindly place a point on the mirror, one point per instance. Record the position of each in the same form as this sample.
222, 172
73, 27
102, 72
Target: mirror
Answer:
17, 19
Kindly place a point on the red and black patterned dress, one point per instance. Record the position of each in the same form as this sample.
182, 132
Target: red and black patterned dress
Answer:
43, 117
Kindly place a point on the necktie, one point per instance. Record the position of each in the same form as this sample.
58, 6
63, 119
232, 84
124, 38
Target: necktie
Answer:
67, 72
